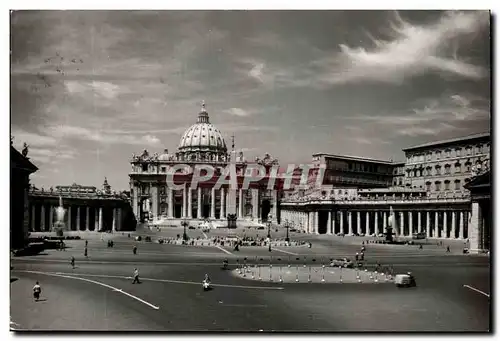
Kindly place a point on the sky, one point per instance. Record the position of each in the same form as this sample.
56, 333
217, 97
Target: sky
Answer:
90, 88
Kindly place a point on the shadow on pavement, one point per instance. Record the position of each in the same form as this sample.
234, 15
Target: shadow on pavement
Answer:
13, 279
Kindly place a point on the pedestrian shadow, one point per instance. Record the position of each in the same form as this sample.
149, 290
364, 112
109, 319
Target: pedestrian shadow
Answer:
13, 279
41, 300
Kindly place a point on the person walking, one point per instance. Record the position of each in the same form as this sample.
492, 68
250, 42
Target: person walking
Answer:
134, 250
136, 277
72, 262
85, 252
37, 290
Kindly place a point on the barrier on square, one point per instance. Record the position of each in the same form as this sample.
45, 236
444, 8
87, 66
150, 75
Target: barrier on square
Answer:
297, 274
280, 274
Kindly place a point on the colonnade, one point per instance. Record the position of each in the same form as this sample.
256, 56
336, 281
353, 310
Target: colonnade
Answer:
450, 224
82, 221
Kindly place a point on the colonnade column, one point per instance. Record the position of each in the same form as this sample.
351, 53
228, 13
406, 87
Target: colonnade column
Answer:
461, 225
222, 203
184, 201
33, 217
135, 203
329, 223
428, 223
419, 221
78, 218
119, 219
334, 221
316, 222
100, 219
69, 218
155, 201
402, 224
445, 224
113, 228
474, 229
358, 222
410, 223
341, 222
453, 229
51, 217
384, 223
376, 223
190, 202
87, 218
42, 218
212, 203
367, 223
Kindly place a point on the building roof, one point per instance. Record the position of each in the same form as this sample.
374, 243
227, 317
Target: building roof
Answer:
358, 158
449, 141
20, 162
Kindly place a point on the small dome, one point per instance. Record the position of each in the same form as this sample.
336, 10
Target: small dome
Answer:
165, 156
202, 137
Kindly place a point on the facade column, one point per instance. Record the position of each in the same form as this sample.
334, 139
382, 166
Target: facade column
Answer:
227, 201
170, 202
410, 223
184, 201
155, 201
255, 204
87, 218
349, 222
96, 219
428, 223
376, 223
33, 207
222, 203
358, 223
212, 203
190, 202
419, 221
341, 222
51, 218
100, 219
316, 222
402, 224
367, 223
113, 228
453, 229
198, 203
42, 218
445, 224
384, 223
461, 225
474, 229
437, 233
240, 203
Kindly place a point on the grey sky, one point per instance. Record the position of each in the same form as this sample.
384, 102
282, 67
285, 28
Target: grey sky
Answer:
89, 88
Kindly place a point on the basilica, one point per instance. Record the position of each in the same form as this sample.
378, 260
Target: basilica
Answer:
202, 143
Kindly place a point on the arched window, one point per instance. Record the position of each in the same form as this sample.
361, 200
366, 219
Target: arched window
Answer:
437, 184
438, 170
458, 167
468, 165
428, 186
447, 169
457, 184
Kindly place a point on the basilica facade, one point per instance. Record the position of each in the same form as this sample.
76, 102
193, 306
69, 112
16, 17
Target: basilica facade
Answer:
154, 199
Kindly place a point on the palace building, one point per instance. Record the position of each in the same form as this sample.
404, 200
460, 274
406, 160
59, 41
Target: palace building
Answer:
86, 209
440, 191
154, 199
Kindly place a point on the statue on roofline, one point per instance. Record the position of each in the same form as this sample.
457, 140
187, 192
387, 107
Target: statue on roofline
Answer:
25, 150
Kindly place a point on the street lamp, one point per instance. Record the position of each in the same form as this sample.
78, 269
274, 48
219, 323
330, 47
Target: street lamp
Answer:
185, 224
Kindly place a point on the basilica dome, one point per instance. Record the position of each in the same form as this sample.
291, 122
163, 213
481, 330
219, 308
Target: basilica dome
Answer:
202, 141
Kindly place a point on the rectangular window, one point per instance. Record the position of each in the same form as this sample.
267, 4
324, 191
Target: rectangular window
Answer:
163, 169
457, 185
457, 151
438, 186
145, 167
446, 186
